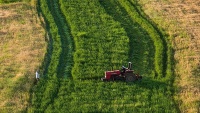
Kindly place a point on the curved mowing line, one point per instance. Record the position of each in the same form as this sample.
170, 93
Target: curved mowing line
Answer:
48, 38
165, 49
160, 47
65, 59
60, 58
141, 46
45, 64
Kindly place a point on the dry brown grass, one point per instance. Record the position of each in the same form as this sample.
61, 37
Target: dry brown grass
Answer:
181, 19
22, 49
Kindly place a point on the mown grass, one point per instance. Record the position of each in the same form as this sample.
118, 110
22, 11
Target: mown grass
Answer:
140, 56
85, 90
101, 41
58, 63
22, 48
179, 19
13, 1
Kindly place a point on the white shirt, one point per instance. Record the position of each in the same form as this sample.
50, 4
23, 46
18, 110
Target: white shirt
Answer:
37, 75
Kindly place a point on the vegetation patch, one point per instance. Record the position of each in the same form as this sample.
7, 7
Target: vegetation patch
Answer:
180, 19
102, 40
22, 49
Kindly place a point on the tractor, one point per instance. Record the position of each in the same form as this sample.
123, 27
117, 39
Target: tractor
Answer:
125, 74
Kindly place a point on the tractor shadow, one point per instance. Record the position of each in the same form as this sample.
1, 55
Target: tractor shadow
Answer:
145, 82
149, 83
90, 79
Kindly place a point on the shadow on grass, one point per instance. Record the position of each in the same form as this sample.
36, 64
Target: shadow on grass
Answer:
166, 55
48, 39
149, 83
161, 34
47, 58
66, 58
141, 46
146, 82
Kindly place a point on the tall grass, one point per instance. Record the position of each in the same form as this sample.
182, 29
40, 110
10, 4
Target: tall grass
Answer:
58, 65
183, 32
101, 42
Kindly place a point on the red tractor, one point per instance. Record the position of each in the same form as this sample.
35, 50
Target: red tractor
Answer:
125, 74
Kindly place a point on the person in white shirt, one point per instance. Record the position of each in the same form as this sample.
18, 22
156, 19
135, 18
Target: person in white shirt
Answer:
37, 75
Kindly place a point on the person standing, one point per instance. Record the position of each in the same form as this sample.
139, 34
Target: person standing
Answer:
37, 75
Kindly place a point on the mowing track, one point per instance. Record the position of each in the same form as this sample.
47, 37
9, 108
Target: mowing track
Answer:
59, 57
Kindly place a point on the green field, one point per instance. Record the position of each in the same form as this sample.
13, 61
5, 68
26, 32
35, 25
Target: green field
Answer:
87, 38
73, 42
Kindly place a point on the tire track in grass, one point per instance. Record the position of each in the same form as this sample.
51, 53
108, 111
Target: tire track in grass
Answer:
113, 8
59, 63
167, 52
100, 41
157, 37
88, 94
164, 43
40, 87
141, 51
65, 59
48, 38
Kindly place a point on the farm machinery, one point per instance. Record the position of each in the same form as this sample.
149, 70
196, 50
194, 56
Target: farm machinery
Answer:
125, 74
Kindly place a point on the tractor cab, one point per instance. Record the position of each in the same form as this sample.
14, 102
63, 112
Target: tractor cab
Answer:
127, 70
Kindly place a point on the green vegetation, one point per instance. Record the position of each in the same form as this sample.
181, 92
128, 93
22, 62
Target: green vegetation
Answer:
86, 38
158, 43
142, 57
100, 42
104, 37
11, 1
59, 58
184, 35
22, 48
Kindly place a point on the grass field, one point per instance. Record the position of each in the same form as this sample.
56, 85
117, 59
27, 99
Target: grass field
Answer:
181, 20
86, 38
99, 40
22, 49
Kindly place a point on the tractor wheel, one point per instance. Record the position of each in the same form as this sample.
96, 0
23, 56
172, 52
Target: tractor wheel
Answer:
118, 78
130, 78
